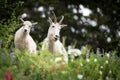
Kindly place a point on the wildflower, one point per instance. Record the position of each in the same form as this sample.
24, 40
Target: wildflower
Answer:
74, 52
110, 71
95, 60
81, 64
101, 67
100, 72
106, 61
80, 76
58, 59
63, 64
24, 78
53, 68
88, 60
8, 75
108, 55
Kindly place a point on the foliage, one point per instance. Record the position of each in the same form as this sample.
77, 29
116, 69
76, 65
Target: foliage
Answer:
7, 29
8, 7
43, 67
10, 10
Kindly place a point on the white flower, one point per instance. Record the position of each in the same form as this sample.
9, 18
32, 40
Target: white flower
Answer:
101, 67
88, 60
74, 52
107, 78
100, 72
108, 55
58, 59
80, 76
106, 61
81, 64
95, 60
110, 71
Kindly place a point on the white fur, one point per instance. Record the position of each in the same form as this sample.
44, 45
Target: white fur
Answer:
52, 42
22, 39
55, 47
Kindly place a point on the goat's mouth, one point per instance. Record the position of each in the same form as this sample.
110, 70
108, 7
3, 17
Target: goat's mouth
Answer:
55, 38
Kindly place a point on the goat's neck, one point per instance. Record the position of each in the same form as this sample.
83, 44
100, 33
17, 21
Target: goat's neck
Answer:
25, 35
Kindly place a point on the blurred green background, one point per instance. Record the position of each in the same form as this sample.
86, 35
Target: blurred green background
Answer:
90, 22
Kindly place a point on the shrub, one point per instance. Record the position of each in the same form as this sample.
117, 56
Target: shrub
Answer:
7, 29
43, 67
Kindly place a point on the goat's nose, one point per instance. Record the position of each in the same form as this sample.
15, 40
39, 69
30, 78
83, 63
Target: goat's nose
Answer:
25, 30
57, 36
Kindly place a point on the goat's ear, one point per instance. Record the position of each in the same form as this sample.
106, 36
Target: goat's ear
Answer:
22, 20
63, 25
50, 20
34, 23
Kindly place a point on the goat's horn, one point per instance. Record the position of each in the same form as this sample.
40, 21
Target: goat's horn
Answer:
34, 23
54, 16
50, 20
21, 19
61, 20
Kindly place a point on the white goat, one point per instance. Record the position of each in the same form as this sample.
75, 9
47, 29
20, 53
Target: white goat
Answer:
52, 42
22, 39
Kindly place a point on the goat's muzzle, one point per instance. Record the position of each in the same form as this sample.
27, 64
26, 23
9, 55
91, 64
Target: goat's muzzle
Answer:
56, 37
25, 30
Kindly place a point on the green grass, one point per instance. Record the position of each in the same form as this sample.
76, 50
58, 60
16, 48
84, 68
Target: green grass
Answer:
43, 66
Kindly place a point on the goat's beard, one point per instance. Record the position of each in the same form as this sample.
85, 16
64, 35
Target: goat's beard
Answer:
51, 46
51, 43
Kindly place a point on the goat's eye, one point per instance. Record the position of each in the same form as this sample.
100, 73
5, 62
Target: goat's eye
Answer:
53, 26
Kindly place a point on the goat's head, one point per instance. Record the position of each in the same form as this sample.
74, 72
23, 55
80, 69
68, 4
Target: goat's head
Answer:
55, 27
27, 25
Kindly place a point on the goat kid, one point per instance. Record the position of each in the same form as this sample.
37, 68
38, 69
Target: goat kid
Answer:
23, 40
